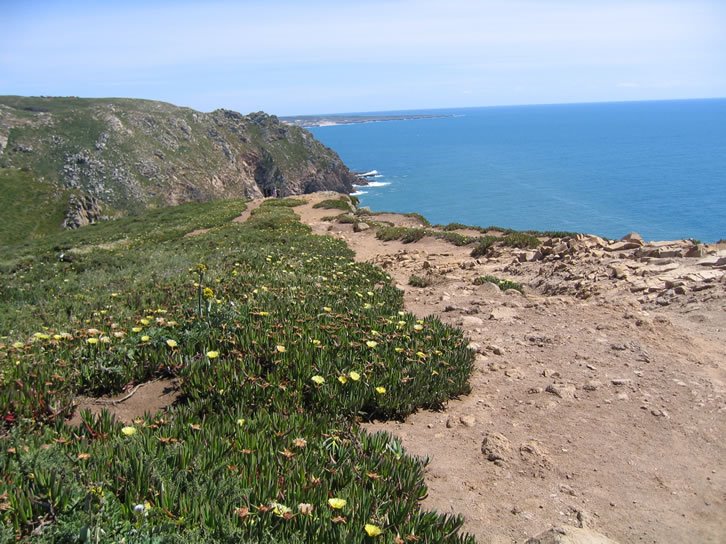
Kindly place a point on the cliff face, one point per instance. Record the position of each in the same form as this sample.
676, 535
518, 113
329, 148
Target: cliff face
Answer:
109, 157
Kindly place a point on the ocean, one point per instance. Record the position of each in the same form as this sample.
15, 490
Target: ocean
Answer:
657, 168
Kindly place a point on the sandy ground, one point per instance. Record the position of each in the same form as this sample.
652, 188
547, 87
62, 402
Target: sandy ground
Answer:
608, 411
594, 402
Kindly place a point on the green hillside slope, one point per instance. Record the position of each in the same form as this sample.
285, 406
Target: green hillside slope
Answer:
120, 156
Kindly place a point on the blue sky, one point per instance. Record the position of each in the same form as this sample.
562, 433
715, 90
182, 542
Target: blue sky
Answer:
324, 56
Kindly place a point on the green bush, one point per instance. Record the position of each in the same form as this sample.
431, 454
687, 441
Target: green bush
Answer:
520, 240
405, 234
483, 246
333, 204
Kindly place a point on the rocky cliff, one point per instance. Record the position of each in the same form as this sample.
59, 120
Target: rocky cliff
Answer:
109, 157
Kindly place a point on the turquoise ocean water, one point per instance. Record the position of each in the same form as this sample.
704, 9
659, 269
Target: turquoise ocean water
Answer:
658, 168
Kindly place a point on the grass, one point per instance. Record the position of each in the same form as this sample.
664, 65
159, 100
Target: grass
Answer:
502, 284
281, 344
31, 208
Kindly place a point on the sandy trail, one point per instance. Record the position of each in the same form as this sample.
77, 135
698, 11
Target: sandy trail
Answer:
607, 414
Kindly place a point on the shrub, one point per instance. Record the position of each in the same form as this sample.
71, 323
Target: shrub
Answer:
405, 234
419, 281
520, 240
483, 246
333, 204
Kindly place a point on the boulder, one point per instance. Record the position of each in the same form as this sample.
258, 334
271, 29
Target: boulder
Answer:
633, 237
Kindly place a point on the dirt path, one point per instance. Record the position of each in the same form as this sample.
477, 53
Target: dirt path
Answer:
608, 412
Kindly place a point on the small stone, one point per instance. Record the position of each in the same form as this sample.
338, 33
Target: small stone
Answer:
471, 321
622, 396
633, 237
468, 421
592, 385
660, 413
496, 350
496, 447
567, 490
564, 391
621, 381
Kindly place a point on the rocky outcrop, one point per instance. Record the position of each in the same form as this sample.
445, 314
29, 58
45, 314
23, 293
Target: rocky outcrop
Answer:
82, 210
125, 155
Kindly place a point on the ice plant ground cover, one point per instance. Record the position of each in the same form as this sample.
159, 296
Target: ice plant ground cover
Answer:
293, 345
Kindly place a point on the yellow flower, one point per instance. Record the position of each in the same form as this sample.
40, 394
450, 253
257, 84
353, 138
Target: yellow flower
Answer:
354, 375
315, 342
207, 293
380, 390
145, 338
318, 379
398, 350
372, 530
327, 309
92, 340
342, 379
128, 431
41, 336
144, 321
18, 345
421, 354
418, 327
337, 503
212, 354
241, 422
171, 343
57, 337
371, 343
280, 349
136, 329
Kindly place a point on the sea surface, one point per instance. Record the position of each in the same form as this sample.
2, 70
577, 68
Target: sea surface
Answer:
657, 168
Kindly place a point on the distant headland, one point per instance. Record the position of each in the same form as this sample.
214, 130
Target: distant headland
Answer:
306, 121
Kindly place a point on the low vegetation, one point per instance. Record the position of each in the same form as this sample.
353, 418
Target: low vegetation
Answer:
419, 281
502, 284
334, 204
281, 344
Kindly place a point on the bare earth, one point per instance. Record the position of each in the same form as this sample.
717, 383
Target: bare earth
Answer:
599, 395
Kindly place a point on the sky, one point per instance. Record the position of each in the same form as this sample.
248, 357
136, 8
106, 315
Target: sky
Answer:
324, 56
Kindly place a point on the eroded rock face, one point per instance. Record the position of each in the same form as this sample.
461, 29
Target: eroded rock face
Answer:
82, 210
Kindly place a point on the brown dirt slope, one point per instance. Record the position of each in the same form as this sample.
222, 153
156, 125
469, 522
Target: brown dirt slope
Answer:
598, 398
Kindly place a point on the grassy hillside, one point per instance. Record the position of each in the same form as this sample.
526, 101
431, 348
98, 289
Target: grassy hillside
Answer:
30, 208
281, 344
131, 155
